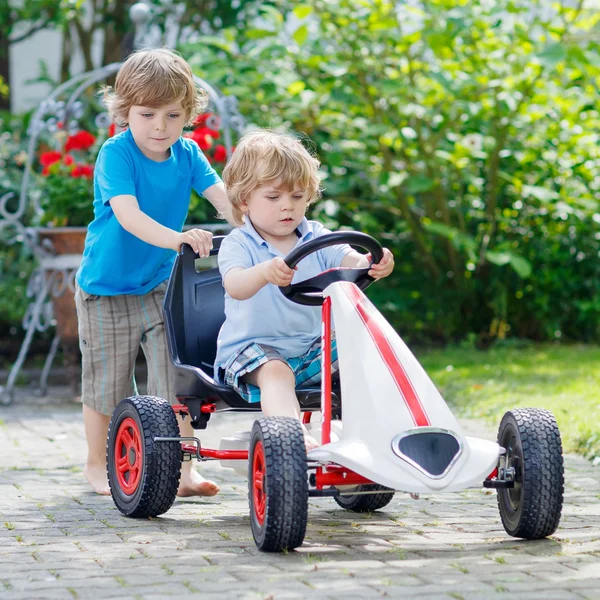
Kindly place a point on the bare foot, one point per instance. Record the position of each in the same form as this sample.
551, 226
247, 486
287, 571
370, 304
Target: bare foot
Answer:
193, 484
309, 440
96, 477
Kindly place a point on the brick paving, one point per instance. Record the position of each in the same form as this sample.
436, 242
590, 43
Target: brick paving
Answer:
60, 541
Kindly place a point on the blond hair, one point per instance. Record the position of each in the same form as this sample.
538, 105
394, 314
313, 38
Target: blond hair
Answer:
154, 78
264, 156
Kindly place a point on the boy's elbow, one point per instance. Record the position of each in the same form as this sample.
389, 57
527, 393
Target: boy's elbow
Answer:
234, 284
234, 293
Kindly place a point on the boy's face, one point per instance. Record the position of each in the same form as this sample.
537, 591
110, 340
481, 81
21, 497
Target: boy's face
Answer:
276, 211
155, 130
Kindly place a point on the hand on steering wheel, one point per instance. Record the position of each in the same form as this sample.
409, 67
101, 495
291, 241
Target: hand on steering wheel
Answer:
310, 291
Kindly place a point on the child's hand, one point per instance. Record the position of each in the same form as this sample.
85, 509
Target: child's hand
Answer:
384, 267
199, 240
277, 272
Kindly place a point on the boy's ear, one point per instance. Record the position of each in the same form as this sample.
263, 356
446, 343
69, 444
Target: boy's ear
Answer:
243, 206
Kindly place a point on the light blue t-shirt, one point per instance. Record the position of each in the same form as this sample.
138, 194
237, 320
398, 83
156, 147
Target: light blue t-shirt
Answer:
114, 260
269, 317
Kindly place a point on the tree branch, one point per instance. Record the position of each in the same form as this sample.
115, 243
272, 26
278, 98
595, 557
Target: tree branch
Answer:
32, 30
85, 43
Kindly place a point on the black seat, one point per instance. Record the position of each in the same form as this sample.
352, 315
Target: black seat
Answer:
194, 310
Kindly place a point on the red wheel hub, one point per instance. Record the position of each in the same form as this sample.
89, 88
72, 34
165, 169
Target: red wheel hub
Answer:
259, 496
128, 456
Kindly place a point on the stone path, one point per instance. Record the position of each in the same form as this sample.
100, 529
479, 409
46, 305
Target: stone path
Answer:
60, 541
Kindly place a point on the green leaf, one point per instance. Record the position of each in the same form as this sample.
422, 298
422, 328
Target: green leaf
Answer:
498, 258
444, 155
215, 41
257, 34
418, 183
385, 25
443, 80
295, 88
593, 58
551, 55
334, 69
576, 56
392, 87
300, 35
271, 12
460, 240
302, 10
438, 40
521, 265
541, 193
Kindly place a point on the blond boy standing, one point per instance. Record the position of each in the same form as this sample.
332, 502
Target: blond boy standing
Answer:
142, 183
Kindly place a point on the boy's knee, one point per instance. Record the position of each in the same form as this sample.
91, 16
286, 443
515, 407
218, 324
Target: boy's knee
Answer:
275, 370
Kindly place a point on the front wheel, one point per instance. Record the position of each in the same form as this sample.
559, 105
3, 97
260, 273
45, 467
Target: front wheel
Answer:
278, 484
532, 508
143, 475
361, 503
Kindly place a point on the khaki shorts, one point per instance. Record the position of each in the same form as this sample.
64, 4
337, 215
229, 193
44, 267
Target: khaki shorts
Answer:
111, 331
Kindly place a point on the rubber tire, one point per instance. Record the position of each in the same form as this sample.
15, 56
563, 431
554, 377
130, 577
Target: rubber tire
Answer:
533, 508
160, 461
285, 484
368, 502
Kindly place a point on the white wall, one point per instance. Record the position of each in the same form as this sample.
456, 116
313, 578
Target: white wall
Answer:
25, 60
24, 65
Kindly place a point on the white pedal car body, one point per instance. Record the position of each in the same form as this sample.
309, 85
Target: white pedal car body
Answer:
396, 432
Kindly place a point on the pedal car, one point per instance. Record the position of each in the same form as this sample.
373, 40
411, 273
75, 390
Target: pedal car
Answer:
395, 433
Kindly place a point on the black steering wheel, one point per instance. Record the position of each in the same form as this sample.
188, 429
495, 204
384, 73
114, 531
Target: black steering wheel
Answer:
310, 291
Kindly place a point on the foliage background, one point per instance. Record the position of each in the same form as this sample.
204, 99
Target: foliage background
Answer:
462, 134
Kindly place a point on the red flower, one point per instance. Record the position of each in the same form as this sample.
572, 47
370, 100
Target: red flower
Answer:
50, 157
46, 171
202, 137
82, 140
112, 128
68, 160
86, 171
201, 119
220, 154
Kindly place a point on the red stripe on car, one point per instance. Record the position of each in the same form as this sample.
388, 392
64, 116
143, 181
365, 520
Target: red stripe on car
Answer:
361, 304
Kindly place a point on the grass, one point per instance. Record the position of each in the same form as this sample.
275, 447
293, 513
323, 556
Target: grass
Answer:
564, 379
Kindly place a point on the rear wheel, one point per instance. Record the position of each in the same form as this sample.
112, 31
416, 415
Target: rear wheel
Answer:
532, 508
143, 474
278, 484
366, 502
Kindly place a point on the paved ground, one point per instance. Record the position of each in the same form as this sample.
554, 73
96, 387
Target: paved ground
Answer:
58, 540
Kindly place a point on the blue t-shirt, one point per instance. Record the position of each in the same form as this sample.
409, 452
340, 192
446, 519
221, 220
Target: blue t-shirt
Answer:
114, 260
269, 317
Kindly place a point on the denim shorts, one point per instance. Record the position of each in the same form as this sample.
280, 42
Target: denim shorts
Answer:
306, 368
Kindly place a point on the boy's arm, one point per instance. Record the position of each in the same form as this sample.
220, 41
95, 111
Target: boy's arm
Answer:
138, 223
217, 196
355, 260
242, 284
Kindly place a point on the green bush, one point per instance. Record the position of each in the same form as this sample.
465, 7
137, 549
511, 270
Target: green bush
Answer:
16, 263
461, 134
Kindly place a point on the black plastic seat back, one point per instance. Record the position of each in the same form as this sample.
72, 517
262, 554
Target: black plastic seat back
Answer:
194, 311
